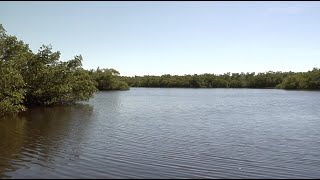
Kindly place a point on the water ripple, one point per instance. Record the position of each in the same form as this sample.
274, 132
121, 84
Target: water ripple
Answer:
168, 133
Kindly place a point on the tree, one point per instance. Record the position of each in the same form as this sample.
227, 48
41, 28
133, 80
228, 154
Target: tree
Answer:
108, 79
28, 79
51, 81
11, 82
11, 89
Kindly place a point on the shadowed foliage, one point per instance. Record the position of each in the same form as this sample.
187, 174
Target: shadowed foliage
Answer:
270, 79
28, 78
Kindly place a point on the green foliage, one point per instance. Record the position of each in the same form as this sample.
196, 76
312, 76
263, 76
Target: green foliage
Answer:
314, 79
307, 80
28, 79
11, 82
53, 82
11, 89
108, 79
283, 80
291, 82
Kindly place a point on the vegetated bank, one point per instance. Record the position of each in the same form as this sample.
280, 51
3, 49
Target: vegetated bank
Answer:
28, 78
283, 80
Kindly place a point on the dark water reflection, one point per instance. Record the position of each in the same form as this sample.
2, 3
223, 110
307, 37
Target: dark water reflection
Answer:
40, 137
168, 133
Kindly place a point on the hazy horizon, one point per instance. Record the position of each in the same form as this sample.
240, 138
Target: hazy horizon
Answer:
177, 38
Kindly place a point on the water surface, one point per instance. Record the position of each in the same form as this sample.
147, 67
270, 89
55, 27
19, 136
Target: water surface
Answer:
168, 133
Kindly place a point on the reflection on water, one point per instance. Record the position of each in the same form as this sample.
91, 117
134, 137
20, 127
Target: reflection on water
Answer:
12, 134
168, 133
39, 135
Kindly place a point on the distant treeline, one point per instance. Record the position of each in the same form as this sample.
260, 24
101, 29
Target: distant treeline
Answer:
108, 79
28, 78
284, 80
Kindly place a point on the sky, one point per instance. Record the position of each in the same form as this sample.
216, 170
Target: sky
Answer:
177, 38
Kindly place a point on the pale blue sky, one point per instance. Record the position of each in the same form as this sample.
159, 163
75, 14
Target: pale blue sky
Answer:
154, 38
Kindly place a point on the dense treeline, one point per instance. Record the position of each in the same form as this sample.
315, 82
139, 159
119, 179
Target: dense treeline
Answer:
108, 79
283, 80
28, 78
302, 80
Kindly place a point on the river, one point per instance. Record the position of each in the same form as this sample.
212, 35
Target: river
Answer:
168, 133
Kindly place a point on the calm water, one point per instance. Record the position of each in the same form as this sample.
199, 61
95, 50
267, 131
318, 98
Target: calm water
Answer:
168, 133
